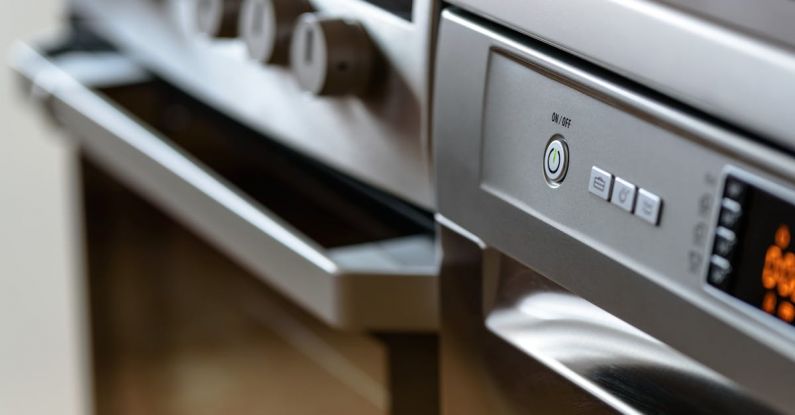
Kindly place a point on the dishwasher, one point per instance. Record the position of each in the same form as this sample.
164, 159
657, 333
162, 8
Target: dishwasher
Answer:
607, 249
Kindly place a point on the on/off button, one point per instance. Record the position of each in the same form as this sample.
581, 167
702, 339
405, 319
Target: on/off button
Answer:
556, 160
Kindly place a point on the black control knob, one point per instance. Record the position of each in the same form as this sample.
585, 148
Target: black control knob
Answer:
218, 18
267, 28
332, 56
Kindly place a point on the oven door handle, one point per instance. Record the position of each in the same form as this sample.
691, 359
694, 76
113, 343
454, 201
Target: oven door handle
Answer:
377, 286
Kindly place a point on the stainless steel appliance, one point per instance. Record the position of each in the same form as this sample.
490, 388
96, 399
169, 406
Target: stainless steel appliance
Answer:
378, 135
606, 247
598, 193
298, 147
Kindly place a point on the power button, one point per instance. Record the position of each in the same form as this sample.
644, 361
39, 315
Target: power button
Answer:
556, 160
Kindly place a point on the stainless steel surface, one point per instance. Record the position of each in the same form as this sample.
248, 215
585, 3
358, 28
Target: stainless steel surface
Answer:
381, 138
768, 19
492, 123
361, 287
513, 342
697, 57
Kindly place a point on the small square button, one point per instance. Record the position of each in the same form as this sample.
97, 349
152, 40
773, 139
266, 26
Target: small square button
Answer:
648, 206
730, 213
600, 183
623, 194
720, 271
725, 241
734, 189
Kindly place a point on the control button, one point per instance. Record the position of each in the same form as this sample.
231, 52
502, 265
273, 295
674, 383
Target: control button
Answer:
719, 272
332, 56
730, 213
623, 194
556, 160
267, 28
600, 183
217, 18
648, 206
725, 241
734, 189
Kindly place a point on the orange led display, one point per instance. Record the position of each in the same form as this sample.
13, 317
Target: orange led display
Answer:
753, 253
778, 277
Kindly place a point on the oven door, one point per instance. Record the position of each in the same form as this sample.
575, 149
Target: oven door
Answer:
514, 342
357, 259
346, 318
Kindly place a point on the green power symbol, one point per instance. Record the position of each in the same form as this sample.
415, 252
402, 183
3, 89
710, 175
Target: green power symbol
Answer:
554, 165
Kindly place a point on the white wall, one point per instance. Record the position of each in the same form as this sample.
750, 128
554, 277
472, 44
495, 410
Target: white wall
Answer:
41, 359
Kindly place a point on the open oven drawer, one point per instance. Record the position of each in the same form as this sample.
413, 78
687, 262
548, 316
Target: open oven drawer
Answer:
335, 249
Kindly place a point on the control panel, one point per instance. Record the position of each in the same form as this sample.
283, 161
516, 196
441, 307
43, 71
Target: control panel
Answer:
672, 223
345, 82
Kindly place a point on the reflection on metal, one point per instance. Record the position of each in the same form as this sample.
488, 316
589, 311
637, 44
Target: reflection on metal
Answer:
587, 345
357, 294
652, 279
513, 341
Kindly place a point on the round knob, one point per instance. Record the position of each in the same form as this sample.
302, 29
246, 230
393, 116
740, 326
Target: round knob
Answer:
267, 28
217, 18
331, 56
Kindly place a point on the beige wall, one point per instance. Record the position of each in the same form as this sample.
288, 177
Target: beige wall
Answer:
40, 354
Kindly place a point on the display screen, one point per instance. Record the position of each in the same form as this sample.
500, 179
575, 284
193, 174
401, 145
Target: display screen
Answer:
764, 261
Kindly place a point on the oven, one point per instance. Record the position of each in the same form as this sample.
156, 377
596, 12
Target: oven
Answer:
356, 98
250, 244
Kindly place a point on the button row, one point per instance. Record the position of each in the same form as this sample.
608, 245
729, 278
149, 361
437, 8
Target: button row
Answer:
625, 195
727, 233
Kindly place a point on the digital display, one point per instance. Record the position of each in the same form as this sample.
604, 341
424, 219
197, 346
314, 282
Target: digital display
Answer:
763, 261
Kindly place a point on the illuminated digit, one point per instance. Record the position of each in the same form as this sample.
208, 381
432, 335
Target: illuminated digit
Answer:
769, 302
786, 311
782, 236
787, 282
772, 257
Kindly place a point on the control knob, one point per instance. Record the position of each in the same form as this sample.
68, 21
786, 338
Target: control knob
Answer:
217, 18
267, 28
332, 56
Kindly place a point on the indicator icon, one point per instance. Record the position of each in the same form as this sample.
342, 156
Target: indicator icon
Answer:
599, 183
556, 161
623, 194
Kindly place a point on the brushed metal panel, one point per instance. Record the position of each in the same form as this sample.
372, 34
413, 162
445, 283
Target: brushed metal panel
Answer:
738, 77
491, 124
